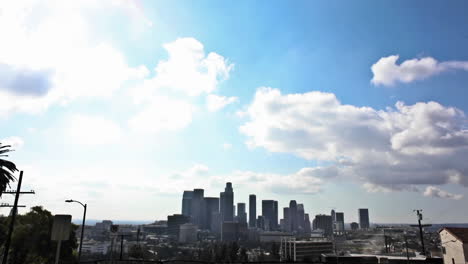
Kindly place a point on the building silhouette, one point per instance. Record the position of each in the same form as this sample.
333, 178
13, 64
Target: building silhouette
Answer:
286, 220
293, 215
270, 214
339, 222
364, 218
324, 223
241, 213
210, 207
227, 203
197, 207
174, 222
252, 210
187, 203
300, 217
307, 224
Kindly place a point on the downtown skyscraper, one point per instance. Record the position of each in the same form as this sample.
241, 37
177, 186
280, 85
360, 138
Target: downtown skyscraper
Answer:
270, 213
364, 218
227, 203
252, 210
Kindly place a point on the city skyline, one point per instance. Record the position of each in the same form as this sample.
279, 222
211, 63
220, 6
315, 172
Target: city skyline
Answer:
123, 105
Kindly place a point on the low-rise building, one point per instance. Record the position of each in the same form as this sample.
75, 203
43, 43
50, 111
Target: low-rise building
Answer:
454, 242
291, 249
95, 247
274, 236
188, 233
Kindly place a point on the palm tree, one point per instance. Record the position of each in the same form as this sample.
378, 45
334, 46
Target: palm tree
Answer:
7, 168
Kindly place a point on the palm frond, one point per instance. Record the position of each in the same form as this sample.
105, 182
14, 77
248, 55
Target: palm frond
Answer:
7, 168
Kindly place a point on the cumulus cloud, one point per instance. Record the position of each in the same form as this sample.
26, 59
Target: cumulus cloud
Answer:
432, 191
168, 97
415, 144
47, 56
93, 130
304, 181
217, 102
387, 72
187, 70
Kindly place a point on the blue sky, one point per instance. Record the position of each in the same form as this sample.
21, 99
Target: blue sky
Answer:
124, 104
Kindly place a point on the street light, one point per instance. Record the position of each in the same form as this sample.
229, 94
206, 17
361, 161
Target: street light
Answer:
82, 225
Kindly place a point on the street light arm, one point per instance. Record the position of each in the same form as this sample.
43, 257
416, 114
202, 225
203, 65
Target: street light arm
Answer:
75, 201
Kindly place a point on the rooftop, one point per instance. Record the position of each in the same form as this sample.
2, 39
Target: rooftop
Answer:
459, 232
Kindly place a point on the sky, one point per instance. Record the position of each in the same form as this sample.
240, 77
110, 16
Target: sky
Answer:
125, 104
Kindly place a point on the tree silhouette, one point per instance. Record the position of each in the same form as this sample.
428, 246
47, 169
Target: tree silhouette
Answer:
7, 168
31, 241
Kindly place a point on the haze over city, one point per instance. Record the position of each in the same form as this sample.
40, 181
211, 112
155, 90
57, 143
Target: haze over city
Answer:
124, 105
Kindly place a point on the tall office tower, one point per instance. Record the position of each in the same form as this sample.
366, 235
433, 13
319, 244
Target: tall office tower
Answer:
307, 228
252, 210
293, 215
339, 220
287, 219
324, 222
241, 213
234, 212
300, 217
275, 215
268, 213
187, 203
228, 203
364, 218
333, 216
221, 206
211, 206
197, 207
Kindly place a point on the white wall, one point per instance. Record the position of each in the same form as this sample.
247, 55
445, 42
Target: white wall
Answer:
453, 250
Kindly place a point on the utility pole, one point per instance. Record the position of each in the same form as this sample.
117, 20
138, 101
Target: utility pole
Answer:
419, 214
407, 253
13, 215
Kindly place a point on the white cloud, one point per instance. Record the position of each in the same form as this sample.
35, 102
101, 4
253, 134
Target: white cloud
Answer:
432, 191
304, 181
93, 130
14, 141
387, 72
47, 56
163, 114
189, 70
407, 145
217, 102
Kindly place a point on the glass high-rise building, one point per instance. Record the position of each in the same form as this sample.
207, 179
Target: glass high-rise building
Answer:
293, 215
364, 218
252, 210
270, 213
211, 206
187, 203
227, 203
197, 207
241, 213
